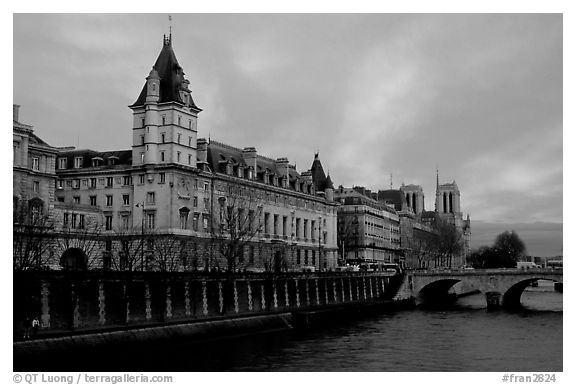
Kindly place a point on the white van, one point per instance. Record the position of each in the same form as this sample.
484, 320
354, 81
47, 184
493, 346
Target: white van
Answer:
526, 265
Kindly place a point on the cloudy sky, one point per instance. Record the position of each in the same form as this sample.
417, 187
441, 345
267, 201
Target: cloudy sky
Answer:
478, 96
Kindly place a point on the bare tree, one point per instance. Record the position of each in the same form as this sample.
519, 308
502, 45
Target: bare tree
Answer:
32, 232
237, 221
130, 251
449, 242
166, 252
81, 234
345, 236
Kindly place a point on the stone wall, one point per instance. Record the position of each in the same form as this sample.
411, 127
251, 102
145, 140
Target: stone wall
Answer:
73, 301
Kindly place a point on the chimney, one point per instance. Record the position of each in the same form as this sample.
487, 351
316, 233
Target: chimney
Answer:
282, 170
202, 151
15, 112
249, 154
306, 175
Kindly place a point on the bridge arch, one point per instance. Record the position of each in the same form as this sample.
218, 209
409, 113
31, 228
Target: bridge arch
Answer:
437, 292
511, 297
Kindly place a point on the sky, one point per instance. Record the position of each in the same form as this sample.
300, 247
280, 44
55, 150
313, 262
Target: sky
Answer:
384, 98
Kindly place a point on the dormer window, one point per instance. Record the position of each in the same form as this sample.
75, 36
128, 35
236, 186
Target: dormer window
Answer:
112, 160
62, 163
97, 161
78, 162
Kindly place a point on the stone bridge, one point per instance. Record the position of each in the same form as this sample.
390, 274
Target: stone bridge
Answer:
502, 287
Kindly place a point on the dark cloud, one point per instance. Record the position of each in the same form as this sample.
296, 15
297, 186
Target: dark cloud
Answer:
479, 96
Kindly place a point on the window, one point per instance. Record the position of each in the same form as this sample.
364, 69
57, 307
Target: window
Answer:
179, 121
195, 222
36, 186
195, 202
190, 123
92, 182
81, 221
313, 257
179, 135
298, 257
207, 203
141, 178
162, 177
143, 122
285, 226
189, 159
266, 222
62, 163
60, 199
189, 141
92, 200
66, 220
74, 220
108, 222
78, 162
142, 157
142, 140
178, 156
150, 198
76, 183
35, 163
150, 220
125, 199
162, 156
109, 200
76, 200
109, 181
184, 218
163, 119
125, 221
205, 186
60, 184
127, 180
163, 136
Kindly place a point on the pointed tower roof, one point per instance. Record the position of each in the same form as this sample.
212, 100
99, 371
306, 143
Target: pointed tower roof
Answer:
319, 178
171, 77
329, 183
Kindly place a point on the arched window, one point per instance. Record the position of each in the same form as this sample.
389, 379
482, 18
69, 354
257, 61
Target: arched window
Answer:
450, 199
445, 204
184, 213
36, 207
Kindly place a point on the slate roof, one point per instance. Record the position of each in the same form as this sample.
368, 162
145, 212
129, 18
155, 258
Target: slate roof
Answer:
122, 157
171, 77
396, 197
220, 154
319, 178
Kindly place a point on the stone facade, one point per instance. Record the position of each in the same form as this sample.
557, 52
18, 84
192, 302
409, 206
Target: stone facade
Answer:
369, 230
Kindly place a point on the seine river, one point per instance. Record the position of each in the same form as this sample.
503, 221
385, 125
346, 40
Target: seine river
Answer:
463, 338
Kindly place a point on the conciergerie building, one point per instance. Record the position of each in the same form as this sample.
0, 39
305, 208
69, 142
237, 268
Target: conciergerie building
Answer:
174, 201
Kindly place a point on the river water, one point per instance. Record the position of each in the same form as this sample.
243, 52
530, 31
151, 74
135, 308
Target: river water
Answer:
465, 337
